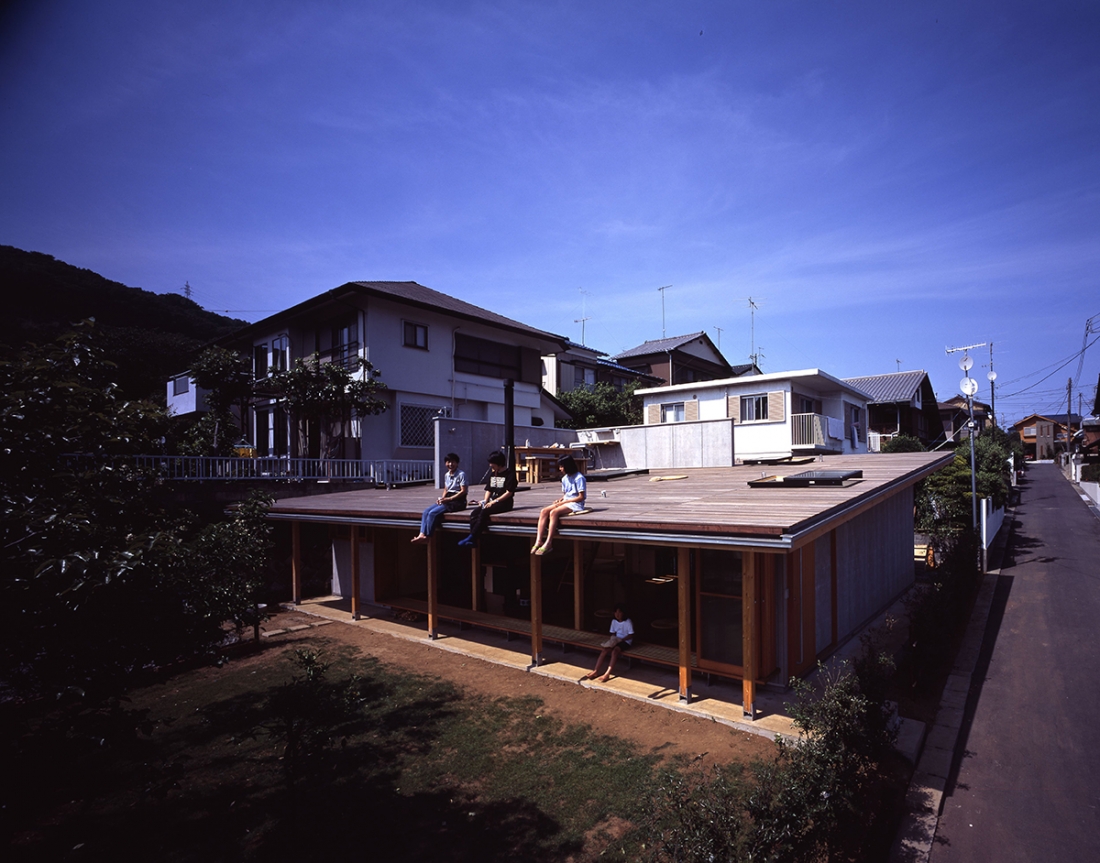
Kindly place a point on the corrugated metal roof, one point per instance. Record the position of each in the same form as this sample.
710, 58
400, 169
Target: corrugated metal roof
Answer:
894, 387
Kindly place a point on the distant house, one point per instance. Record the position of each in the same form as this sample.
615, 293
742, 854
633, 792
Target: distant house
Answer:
440, 357
1045, 436
954, 414
580, 366
901, 403
682, 359
184, 396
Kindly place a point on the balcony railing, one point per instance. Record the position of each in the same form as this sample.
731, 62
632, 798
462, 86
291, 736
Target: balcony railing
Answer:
809, 430
379, 471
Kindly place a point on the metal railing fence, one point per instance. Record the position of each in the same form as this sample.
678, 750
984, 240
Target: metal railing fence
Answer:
380, 471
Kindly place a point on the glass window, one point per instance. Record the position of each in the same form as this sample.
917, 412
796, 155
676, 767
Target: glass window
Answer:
259, 361
482, 357
280, 354
672, 413
416, 336
754, 408
180, 385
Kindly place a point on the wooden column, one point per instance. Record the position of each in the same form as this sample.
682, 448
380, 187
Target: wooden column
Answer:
749, 636
683, 609
833, 585
296, 562
355, 572
536, 610
578, 584
475, 579
433, 585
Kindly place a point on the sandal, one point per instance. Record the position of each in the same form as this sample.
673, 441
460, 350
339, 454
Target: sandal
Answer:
541, 550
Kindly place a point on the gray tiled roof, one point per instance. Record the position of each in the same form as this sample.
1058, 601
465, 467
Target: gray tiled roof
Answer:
894, 387
418, 294
658, 346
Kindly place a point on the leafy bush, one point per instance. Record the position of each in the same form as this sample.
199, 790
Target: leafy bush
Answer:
813, 802
902, 443
601, 406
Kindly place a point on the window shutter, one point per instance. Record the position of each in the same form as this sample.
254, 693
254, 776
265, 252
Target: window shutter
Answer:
733, 408
653, 414
776, 403
691, 410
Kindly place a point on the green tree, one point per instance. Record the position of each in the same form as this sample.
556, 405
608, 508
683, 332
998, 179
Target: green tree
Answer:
98, 581
326, 396
227, 377
601, 406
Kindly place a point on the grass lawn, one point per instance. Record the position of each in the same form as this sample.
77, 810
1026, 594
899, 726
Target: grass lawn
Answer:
414, 771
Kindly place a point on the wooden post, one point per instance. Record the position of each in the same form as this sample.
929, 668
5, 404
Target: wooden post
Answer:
578, 584
749, 659
296, 562
536, 610
355, 572
433, 585
475, 579
683, 608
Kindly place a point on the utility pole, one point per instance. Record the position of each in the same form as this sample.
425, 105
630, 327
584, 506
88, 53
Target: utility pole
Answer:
752, 331
969, 386
992, 387
662, 290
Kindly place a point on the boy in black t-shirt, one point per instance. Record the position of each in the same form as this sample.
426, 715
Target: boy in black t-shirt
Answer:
500, 496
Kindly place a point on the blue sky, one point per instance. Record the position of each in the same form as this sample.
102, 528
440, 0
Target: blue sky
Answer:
883, 179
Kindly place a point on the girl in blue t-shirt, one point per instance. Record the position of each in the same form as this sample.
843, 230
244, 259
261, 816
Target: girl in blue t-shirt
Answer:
573, 492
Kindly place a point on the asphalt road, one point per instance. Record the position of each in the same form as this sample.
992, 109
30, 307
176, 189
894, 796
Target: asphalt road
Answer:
1028, 781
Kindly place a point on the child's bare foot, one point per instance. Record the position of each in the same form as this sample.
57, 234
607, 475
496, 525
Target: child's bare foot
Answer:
605, 678
592, 676
419, 538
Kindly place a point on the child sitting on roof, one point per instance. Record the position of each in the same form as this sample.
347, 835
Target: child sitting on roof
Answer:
574, 490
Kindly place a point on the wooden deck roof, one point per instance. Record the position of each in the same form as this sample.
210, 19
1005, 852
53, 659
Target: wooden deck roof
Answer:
709, 506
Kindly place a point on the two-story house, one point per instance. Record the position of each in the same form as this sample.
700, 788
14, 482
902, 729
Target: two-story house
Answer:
438, 356
682, 359
901, 403
581, 366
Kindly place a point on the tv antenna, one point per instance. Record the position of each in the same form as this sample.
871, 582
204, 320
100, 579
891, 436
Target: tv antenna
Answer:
584, 316
899, 364
662, 290
718, 329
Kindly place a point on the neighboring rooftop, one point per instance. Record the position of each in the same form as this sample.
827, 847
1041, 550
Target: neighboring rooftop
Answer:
660, 346
893, 387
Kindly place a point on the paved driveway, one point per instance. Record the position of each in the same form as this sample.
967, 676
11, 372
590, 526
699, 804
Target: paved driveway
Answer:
1028, 784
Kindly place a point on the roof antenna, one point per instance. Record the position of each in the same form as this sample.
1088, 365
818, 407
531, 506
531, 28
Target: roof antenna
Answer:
584, 316
662, 290
899, 364
752, 332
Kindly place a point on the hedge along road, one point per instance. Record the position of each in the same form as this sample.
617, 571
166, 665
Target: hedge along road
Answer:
1028, 782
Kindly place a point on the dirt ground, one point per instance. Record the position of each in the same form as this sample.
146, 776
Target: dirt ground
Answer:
651, 727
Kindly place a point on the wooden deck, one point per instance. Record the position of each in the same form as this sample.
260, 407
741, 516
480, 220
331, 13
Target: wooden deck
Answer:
709, 503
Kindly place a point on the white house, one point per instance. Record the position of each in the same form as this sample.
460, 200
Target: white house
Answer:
755, 418
438, 356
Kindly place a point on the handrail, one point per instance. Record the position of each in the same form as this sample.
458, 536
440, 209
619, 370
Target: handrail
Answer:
379, 471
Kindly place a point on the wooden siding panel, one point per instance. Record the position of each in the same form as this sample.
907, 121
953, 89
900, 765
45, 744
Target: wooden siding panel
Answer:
691, 410
733, 408
653, 414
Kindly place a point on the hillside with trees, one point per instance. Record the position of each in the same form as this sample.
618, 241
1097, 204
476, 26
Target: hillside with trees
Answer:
149, 337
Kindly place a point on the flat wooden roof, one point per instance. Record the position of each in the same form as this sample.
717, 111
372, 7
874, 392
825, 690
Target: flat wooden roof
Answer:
710, 506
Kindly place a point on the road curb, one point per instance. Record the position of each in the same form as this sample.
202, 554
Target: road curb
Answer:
924, 800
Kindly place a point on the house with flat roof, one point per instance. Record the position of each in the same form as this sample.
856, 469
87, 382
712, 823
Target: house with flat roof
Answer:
762, 417
726, 572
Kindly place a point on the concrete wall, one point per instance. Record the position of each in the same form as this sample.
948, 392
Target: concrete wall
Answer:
1092, 489
473, 440
705, 443
874, 561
